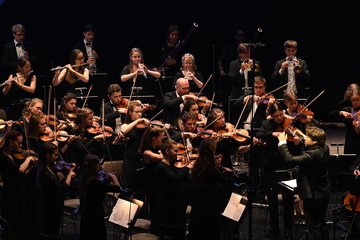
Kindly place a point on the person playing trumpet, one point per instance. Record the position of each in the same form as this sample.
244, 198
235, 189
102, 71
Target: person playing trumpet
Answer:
241, 71
189, 71
75, 74
293, 70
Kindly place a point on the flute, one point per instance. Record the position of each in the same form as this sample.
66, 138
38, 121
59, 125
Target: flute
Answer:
4, 83
60, 68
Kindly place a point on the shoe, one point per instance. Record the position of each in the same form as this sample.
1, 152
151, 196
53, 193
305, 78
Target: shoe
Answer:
272, 232
288, 233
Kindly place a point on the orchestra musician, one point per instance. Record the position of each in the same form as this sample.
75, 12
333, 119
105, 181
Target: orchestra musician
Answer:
313, 184
350, 117
189, 71
242, 71
270, 162
192, 106
53, 188
291, 69
174, 101
170, 211
67, 111
75, 74
206, 176
13, 176
93, 190
150, 150
136, 73
21, 84
160, 52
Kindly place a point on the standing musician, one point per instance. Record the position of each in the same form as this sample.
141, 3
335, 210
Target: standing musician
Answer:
53, 188
350, 117
242, 70
189, 71
271, 161
174, 101
75, 74
88, 47
170, 211
93, 191
135, 74
21, 84
13, 176
161, 51
150, 150
291, 69
313, 184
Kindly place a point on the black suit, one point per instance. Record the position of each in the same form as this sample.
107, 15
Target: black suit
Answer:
172, 107
10, 57
237, 80
97, 48
111, 115
302, 79
313, 186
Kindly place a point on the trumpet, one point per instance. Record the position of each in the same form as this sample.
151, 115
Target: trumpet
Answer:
143, 72
187, 74
250, 65
60, 68
294, 64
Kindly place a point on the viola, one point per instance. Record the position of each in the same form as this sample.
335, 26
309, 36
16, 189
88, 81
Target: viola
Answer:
302, 113
60, 165
290, 130
48, 135
124, 103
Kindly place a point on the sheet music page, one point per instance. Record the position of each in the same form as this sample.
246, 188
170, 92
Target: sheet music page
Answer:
120, 214
235, 207
291, 183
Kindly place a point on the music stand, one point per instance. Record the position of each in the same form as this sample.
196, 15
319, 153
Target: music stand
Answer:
353, 183
125, 214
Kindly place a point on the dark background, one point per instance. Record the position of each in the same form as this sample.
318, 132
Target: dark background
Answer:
327, 35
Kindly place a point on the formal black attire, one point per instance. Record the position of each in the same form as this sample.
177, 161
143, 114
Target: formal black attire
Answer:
10, 57
143, 85
92, 224
100, 66
352, 139
237, 80
205, 209
313, 186
172, 107
192, 83
11, 195
169, 202
54, 191
271, 161
18, 94
302, 79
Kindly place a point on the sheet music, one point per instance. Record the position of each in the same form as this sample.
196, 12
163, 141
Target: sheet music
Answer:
120, 214
290, 183
235, 207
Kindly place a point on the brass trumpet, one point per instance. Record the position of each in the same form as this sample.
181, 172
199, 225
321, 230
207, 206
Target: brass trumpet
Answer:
294, 64
250, 65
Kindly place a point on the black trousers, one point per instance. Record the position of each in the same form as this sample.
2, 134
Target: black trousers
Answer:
315, 211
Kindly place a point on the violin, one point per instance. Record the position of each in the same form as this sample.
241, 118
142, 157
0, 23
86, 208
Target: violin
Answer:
63, 136
124, 103
183, 160
264, 99
60, 165
301, 113
290, 130
103, 175
202, 100
3, 123
22, 154
47, 136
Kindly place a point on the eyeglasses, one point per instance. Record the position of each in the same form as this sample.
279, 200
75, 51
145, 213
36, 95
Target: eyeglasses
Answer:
80, 59
355, 100
259, 87
136, 111
20, 34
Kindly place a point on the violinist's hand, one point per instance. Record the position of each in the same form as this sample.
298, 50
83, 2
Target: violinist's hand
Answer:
347, 115
255, 141
189, 149
145, 121
309, 118
100, 136
71, 138
96, 119
271, 101
247, 98
243, 149
227, 169
214, 136
188, 96
56, 143
228, 135
118, 138
61, 123
167, 126
190, 165
356, 172
122, 110
72, 167
257, 98
219, 159
146, 106
9, 124
281, 136
297, 140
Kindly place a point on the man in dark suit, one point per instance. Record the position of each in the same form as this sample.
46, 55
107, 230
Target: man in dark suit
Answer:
90, 48
242, 71
313, 184
16, 49
293, 70
174, 101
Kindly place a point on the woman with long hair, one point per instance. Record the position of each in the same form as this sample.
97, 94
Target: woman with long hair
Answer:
53, 188
92, 194
137, 72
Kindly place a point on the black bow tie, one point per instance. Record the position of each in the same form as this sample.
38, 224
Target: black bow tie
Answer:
19, 44
87, 44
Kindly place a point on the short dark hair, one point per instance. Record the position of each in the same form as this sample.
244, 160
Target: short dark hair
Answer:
89, 28
316, 134
113, 88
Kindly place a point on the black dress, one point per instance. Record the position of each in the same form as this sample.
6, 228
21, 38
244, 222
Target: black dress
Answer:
18, 94
143, 85
11, 193
205, 211
92, 224
54, 192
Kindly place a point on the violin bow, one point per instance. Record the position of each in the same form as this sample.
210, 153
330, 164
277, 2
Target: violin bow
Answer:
279, 87
87, 96
242, 112
103, 132
156, 115
55, 122
48, 105
204, 86
209, 124
212, 100
306, 106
